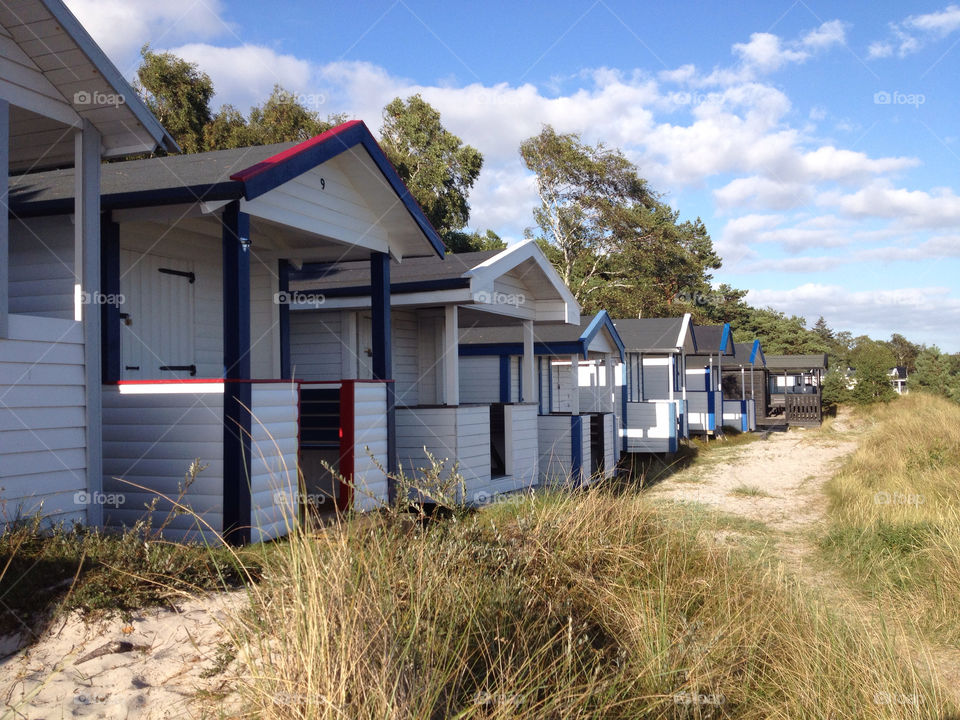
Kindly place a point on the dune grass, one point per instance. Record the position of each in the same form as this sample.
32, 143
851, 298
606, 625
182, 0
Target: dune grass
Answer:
895, 513
595, 605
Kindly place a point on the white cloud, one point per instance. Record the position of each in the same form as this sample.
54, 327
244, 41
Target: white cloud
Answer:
910, 208
925, 314
121, 27
916, 32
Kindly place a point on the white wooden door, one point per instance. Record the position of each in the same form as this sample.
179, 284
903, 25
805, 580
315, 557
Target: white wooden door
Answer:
430, 360
156, 336
364, 346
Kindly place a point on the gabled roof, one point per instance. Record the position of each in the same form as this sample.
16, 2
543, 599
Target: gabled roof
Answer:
64, 79
656, 334
713, 339
797, 363
473, 274
238, 174
899, 372
750, 353
548, 339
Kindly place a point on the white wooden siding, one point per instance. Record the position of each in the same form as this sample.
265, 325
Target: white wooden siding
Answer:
732, 414
273, 463
648, 425
150, 441
370, 445
554, 436
610, 441
334, 208
562, 386
405, 346
316, 346
458, 435
480, 379
264, 318
42, 426
520, 422
41, 267
656, 378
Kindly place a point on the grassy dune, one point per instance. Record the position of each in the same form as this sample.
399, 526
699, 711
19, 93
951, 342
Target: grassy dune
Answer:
595, 605
895, 513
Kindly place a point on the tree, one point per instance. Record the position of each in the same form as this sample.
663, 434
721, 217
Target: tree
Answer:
821, 328
460, 242
835, 390
936, 372
904, 352
434, 163
282, 118
778, 333
872, 362
178, 93
591, 200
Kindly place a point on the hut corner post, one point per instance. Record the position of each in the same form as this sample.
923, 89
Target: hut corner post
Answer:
382, 357
237, 390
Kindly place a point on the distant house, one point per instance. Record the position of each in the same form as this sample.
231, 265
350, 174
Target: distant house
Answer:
794, 386
652, 383
898, 378
578, 418
63, 104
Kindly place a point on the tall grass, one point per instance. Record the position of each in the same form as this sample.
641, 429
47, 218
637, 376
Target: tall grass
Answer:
895, 512
552, 606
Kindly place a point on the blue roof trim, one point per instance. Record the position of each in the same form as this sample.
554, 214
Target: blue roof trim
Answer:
601, 320
338, 143
757, 350
725, 339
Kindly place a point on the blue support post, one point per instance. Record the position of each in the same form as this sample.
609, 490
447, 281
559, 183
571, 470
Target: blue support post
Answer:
504, 378
236, 373
110, 311
382, 354
540, 386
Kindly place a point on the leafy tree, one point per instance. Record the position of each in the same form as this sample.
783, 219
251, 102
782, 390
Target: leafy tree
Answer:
821, 328
591, 200
778, 333
434, 163
459, 242
282, 118
936, 372
872, 362
904, 352
835, 390
178, 93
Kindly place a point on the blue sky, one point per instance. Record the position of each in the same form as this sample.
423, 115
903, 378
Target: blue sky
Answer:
818, 141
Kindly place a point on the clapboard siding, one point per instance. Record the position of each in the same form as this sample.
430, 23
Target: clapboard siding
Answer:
523, 444
264, 320
698, 411
273, 450
656, 378
405, 344
609, 444
455, 435
158, 463
562, 386
41, 267
480, 379
316, 345
650, 425
733, 414
42, 426
553, 444
370, 445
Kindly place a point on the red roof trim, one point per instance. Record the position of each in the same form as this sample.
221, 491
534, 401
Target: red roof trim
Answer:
281, 157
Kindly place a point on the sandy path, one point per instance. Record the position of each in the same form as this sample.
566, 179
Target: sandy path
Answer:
161, 680
779, 482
